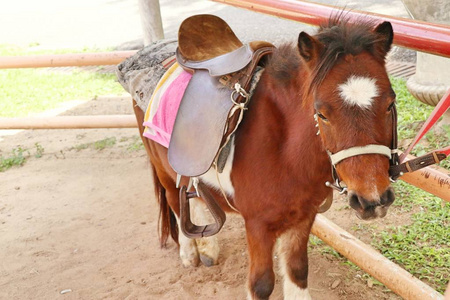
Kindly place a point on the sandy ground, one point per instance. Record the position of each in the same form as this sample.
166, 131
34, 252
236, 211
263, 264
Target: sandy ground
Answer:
86, 220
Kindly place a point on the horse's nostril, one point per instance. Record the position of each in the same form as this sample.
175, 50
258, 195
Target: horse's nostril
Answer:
388, 197
354, 202
359, 202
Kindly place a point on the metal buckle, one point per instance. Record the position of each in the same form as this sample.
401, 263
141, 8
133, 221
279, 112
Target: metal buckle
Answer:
238, 90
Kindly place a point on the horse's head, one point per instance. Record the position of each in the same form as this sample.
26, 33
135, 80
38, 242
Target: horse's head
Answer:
355, 110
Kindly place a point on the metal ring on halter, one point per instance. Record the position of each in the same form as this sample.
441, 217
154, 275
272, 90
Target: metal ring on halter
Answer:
242, 92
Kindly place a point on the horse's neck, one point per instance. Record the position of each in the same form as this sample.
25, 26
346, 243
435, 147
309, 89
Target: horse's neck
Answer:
288, 120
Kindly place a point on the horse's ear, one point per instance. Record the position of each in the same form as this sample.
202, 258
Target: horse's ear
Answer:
384, 30
309, 47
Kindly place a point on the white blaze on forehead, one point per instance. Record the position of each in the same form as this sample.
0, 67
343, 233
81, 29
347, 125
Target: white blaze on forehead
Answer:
359, 91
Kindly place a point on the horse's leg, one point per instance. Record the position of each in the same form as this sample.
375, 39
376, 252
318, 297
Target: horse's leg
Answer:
158, 158
294, 261
260, 247
208, 247
188, 247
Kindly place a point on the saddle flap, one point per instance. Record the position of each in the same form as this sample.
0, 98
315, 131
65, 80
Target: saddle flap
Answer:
199, 125
202, 37
222, 64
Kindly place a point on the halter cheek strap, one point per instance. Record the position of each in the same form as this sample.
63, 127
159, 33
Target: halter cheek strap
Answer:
354, 151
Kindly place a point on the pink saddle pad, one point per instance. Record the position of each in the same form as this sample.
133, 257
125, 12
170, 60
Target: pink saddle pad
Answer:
164, 103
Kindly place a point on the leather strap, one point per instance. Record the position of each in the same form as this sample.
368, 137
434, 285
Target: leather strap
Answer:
417, 163
438, 111
434, 157
188, 228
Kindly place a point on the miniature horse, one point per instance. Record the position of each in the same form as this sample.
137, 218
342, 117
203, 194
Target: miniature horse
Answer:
275, 174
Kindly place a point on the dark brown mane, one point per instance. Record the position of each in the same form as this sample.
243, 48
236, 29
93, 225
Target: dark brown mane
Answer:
339, 37
284, 63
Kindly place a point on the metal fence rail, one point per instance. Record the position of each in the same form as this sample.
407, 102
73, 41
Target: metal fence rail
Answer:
417, 35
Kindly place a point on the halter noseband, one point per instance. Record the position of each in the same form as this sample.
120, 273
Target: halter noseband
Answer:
390, 152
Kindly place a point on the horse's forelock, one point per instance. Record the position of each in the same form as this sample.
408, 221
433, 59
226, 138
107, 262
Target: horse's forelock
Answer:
340, 37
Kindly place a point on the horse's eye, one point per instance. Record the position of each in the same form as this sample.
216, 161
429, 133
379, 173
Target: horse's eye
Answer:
391, 106
322, 116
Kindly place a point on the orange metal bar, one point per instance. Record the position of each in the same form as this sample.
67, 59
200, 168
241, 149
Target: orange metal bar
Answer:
64, 60
417, 35
70, 122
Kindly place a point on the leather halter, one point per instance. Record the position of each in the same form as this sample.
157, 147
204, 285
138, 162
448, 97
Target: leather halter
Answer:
390, 152
434, 157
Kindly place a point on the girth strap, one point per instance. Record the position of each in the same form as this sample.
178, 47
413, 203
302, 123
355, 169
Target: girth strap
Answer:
354, 151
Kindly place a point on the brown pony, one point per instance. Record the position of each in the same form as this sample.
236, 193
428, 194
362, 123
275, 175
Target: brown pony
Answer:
334, 82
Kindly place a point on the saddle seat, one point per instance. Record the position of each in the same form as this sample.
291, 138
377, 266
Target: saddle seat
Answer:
207, 42
203, 37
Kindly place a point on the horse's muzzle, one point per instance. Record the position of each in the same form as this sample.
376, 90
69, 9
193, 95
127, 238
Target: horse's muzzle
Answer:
371, 209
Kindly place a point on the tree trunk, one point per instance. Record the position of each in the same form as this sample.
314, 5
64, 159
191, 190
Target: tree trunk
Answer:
151, 21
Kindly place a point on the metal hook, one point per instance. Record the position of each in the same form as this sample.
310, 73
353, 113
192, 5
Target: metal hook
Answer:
336, 186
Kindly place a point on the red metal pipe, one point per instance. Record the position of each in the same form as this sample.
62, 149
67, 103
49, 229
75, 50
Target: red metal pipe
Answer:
417, 35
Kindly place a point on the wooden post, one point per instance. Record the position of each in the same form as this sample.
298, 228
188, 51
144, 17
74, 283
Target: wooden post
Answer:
151, 21
371, 261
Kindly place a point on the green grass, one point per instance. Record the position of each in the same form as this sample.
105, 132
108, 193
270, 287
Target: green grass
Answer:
105, 143
28, 91
16, 158
19, 156
422, 247
97, 145
411, 115
411, 112
135, 144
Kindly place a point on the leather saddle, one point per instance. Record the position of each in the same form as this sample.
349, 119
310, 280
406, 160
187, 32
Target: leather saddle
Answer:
222, 68
208, 48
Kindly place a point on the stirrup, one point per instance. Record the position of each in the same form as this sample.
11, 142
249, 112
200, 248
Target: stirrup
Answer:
188, 228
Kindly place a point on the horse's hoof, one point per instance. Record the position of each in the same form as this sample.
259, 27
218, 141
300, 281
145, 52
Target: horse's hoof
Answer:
189, 255
190, 262
207, 261
208, 250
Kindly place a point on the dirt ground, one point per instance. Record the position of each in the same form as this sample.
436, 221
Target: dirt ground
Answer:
81, 223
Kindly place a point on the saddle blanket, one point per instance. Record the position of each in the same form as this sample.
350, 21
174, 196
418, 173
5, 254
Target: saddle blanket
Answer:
157, 84
163, 106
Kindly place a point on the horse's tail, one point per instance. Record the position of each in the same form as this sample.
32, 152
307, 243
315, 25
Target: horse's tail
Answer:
167, 223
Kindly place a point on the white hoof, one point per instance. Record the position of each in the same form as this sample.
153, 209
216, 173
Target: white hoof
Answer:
208, 248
